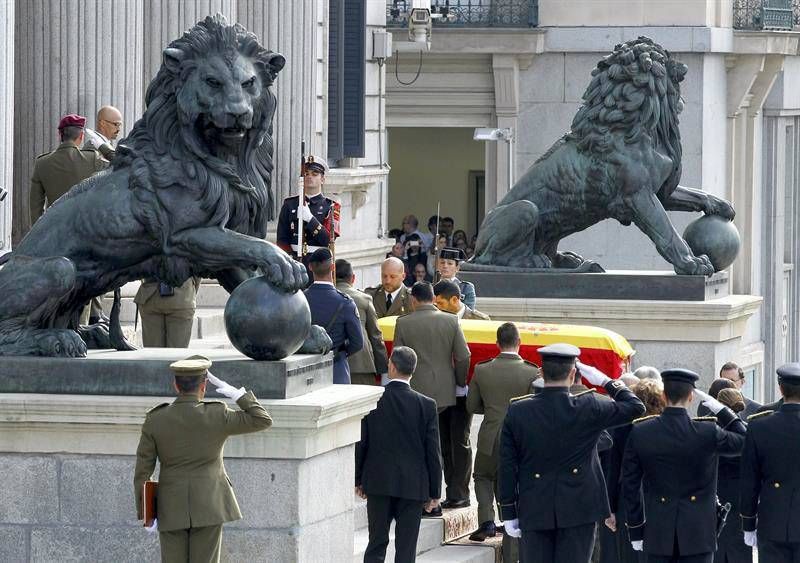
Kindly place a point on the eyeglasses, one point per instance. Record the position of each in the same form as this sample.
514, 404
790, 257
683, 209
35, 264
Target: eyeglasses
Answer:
117, 124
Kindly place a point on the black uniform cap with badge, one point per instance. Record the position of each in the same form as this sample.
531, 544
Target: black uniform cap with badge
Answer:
789, 380
455, 254
557, 357
678, 383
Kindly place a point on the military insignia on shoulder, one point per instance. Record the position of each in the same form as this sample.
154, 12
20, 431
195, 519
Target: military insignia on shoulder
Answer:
485, 362
530, 363
759, 415
155, 408
515, 399
41, 155
588, 391
643, 418
705, 418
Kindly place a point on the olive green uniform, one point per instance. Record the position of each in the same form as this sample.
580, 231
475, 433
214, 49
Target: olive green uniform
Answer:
167, 320
494, 384
195, 496
371, 360
54, 173
474, 315
401, 305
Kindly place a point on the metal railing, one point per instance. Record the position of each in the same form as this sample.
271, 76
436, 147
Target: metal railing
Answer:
766, 14
471, 13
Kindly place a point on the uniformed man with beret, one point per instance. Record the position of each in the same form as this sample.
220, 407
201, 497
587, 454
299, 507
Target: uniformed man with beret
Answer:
335, 312
494, 384
448, 265
54, 173
195, 496
319, 214
550, 485
770, 478
672, 458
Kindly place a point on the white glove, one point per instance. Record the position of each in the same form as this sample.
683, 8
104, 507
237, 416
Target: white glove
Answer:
592, 374
750, 539
512, 528
384, 379
226, 389
305, 213
637, 545
709, 401
154, 527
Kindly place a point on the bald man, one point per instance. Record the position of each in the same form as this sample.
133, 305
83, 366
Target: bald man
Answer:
391, 297
107, 128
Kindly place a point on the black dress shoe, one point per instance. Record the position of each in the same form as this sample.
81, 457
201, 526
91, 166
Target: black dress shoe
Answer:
435, 513
486, 530
447, 504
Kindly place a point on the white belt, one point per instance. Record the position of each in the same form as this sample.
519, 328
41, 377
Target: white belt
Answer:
309, 248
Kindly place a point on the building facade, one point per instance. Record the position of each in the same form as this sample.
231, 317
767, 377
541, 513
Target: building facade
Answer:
524, 65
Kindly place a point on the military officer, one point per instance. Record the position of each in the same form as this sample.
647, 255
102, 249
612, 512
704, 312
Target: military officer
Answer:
320, 214
54, 173
493, 386
335, 312
550, 485
391, 297
673, 459
167, 312
770, 478
448, 299
371, 362
187, 436
448, 265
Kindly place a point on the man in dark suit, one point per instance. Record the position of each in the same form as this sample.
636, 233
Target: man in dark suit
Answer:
673, 460
443, 356
550, 485
392, 296
335, 312
734, 373
770, 478
398, 468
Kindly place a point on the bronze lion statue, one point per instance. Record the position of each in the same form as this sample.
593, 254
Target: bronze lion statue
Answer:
620, 160
187, 195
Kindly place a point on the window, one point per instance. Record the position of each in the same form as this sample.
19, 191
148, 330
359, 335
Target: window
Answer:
346, 81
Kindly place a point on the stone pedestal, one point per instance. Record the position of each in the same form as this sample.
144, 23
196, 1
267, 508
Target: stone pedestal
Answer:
698, 335
68, 461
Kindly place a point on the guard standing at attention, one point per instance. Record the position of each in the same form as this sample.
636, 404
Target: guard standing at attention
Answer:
320, 214
672, 459
551, 489
770, 478
335, 312
195, 496
54, 173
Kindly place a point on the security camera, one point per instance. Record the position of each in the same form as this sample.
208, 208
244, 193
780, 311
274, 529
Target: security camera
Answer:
419, 25
490, 134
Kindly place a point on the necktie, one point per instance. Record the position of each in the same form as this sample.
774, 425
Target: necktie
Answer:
388, 301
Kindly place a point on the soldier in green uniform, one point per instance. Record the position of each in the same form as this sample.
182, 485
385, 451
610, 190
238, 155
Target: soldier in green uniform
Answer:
195, 496
54, 173
494, 384
167, 312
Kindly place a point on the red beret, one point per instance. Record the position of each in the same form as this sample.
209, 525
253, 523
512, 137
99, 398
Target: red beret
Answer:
72, 120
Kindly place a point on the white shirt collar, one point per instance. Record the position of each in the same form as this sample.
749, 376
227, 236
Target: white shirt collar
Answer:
406, 381
324, 283
395, 292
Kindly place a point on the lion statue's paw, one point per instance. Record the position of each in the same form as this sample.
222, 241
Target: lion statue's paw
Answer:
63, 343
696, 266
318, 342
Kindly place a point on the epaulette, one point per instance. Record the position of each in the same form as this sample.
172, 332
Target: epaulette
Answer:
705, 418
759, 414
213, 402
157, 407
530, 363
485, 362
583, 393
515, 399
43, 154
643, 418
89, 149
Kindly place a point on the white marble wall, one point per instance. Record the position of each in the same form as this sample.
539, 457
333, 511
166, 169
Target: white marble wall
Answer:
6, 118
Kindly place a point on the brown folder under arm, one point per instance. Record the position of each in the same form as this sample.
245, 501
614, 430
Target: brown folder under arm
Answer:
149, 492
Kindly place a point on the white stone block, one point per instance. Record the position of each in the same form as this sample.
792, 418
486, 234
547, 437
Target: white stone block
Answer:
543, 81
118, 544
542, 124
578, 73
30, 500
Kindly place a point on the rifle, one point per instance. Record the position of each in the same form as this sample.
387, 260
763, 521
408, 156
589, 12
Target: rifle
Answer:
436, 274
301, 248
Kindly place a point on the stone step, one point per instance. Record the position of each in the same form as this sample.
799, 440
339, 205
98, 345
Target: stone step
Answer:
431, 532
458, 554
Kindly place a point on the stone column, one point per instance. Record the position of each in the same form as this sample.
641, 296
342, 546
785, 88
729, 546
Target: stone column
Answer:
6, 119
506, 95
69, 58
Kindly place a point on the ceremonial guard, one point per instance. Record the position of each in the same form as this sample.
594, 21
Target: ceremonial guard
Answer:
195, 496
770, 478
335, 312
54, 173
493, 386
672, 459
319, 214
448, 265
550, 485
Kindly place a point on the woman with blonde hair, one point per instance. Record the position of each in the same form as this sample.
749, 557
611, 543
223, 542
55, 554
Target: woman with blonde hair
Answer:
651, 393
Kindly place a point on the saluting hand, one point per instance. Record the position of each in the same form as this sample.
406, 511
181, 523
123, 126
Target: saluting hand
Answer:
512, 528
637, 545
705, 399
592, 374
750, 539
226, 389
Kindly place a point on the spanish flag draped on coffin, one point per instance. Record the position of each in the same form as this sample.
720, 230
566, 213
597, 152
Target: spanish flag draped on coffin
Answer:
604, 349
